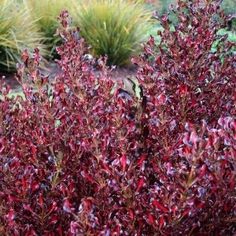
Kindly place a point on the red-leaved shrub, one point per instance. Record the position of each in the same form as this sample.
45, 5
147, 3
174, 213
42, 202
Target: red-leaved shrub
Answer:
79, 156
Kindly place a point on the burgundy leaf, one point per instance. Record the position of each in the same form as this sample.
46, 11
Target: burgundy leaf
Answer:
156, 204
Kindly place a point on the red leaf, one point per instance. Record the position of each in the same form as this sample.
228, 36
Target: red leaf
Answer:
11, 215
74, 227
87, 204
123, 161
105, 167
140, 184
183, 90
162, 222
151, 218
131, 214
141, 160
203, 171
34, 186
200, 205
53, 219
33, 150
52, 208
158, 205
88, 177
40, 200
31, 232
161, 99
24, 184
232, 182
186, 213
158, 60
1, 149
67, 207
193, 137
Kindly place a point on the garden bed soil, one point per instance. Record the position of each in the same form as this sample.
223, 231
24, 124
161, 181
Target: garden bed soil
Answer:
117, 74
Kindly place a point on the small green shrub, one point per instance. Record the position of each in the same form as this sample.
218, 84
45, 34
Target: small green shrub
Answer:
114, 28
45, 12
17, 32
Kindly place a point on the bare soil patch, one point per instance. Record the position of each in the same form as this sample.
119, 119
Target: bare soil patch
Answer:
117, 74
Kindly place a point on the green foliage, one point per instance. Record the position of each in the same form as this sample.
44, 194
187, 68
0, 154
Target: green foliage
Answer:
45, 13
165, 5
164, 8
113, 27
229, 7
17, 32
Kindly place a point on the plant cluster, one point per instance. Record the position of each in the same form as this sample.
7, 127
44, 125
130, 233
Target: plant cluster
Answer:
113, 28
45, 13
17, 31
80, 156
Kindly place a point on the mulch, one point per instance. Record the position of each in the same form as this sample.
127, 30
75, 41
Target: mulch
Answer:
117, 74
10, 80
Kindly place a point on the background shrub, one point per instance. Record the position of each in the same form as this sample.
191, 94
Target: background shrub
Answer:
17, 31
81, 156
45, 14
229, 7
164, 5
113, 28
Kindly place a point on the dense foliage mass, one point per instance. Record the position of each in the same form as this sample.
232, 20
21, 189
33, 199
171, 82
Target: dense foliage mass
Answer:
80, 156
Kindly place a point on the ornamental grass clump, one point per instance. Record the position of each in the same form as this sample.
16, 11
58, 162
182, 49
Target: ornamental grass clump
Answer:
80, 156
45, 13
17, 31
113, 28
